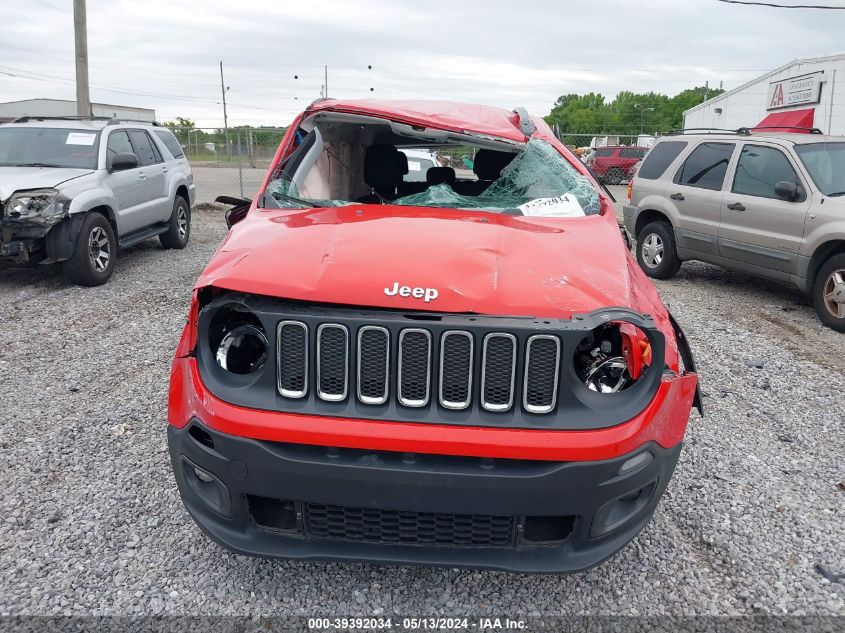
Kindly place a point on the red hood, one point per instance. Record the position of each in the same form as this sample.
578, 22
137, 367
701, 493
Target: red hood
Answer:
478, 262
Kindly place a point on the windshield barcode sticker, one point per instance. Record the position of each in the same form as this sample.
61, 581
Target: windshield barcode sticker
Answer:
80, 138
565, 206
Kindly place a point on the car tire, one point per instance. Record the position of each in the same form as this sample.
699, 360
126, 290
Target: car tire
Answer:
94, 254
829, 293
179, 225
656, 252
613, 176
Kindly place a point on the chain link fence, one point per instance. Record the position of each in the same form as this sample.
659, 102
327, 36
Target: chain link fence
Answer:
231, 163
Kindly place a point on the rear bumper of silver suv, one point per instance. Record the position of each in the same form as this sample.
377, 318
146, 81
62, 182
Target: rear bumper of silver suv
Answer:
629, 215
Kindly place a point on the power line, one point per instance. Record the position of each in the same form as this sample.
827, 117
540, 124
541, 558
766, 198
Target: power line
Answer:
784, 6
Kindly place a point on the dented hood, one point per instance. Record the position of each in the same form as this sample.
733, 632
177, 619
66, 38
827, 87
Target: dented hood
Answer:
477, 262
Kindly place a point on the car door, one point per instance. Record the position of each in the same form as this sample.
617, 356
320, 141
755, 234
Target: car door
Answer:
758, 227
695, 196
157, 207
127, 186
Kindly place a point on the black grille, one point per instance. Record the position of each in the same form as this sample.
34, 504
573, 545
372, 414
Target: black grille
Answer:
373, 347
412, 528
332, 361
541, 373
414, 367
499, 366
293, 359
456, 370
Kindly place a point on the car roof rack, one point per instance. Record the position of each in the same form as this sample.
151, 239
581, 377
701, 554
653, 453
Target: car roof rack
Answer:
704, 130
749, 130
110, 120
24, 119
118, 121
740, 131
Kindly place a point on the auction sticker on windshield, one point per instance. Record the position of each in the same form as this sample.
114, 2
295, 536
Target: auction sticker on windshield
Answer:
565, 206
80, 138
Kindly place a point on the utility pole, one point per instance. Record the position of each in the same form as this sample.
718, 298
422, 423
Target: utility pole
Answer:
326, 82
80, 31
225, 116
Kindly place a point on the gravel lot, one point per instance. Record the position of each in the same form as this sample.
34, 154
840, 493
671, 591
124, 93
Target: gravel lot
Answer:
91, 522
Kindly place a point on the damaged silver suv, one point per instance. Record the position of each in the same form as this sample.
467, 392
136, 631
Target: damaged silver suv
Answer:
74, 190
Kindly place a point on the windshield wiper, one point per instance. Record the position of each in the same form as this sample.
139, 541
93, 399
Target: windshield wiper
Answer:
836, 194
294, 200
37, 165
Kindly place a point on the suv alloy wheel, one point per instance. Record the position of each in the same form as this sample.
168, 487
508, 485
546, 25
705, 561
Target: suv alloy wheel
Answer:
829, 293
656, 252
92, 262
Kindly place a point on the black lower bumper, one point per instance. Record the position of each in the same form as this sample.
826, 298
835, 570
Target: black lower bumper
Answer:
295, 501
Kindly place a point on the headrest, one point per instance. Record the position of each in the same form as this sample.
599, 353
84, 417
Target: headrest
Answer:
440, 175
384, 166
488, 163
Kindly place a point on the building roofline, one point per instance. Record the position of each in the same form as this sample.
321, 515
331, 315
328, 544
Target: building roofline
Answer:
93, 103
761, 78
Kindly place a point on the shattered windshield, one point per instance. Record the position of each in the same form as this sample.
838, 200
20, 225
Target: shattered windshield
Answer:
536, 181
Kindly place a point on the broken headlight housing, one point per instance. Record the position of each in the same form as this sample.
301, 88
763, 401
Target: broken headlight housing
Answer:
238, 341
612, 357
37, 204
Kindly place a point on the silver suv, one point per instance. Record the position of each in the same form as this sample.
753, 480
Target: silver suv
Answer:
769, 204
74, 190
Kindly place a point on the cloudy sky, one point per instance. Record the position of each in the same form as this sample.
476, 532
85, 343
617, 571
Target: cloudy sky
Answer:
164, 53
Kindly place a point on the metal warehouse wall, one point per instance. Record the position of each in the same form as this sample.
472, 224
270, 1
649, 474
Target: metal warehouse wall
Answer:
58, 107
746, 105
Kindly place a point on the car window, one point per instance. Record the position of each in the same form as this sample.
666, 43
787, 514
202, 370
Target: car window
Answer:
630, 152
706, 166
826, 164
604, 152
48, 147
147, 154
417, 168
759, 169
118, 144
170, 143
659, 158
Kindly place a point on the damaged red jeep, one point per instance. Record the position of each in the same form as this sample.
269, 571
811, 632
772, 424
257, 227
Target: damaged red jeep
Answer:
460, 366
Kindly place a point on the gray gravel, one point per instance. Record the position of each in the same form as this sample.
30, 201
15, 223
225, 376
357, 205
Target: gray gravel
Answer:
90, 520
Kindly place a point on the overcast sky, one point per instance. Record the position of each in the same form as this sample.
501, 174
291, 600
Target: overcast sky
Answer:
163, 54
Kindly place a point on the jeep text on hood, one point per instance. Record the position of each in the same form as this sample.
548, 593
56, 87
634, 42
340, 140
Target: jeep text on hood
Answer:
465, 368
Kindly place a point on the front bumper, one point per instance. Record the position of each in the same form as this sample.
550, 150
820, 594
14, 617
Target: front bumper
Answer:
273, 499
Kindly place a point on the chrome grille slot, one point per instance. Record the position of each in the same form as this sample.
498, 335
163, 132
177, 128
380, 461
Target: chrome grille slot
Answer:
292, 359
373, 364
455, 374
542, 369
332, 362
414, 367
498, 370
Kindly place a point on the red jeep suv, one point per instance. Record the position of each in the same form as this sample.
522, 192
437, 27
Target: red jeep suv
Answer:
613, 164
467, 371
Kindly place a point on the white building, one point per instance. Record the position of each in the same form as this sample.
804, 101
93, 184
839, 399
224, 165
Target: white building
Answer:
59, 107
807, 92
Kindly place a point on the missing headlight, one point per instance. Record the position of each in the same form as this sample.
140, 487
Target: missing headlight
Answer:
612, 357
238, 340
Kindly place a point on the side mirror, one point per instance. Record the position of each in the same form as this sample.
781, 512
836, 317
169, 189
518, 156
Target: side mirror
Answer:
122, 162
787, 190
237, 211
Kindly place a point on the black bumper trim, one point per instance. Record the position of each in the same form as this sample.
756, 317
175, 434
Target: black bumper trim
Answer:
419, 483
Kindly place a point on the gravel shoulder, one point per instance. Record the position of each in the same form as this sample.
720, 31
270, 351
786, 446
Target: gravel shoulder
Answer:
91, 522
